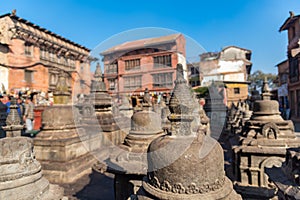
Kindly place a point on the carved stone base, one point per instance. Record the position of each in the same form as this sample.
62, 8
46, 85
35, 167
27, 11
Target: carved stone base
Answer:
20, 173
64, 155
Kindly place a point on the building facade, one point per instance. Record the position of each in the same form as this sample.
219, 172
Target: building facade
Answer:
292, 26
193, 74
33, 58
282, 90
150, 63
230, 67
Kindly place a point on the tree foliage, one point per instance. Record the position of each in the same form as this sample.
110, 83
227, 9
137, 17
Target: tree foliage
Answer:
257, 78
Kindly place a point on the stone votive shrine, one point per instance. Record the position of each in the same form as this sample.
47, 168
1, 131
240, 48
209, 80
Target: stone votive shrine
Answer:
185, 164
263, 144
21, 174
62, 92
128, 162
112, 124
126, 108
13, 121
166, 124
62, 146
215, 110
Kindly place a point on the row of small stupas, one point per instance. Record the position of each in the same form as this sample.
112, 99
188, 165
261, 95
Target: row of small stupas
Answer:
260, 139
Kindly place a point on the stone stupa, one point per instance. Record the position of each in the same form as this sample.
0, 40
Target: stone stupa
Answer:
128, 162
62, 146
21, 174
185, 165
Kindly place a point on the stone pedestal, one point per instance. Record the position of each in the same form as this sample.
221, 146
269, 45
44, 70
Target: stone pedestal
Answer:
62, 147
21, 175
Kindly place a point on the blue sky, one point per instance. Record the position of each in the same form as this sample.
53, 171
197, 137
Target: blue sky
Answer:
251, 24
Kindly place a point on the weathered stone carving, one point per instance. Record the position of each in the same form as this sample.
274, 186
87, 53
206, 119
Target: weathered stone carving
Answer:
185, 164
63, 147
61, 92
20, 173
129, 161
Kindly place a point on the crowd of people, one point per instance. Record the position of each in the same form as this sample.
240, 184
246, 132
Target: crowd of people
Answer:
25, 108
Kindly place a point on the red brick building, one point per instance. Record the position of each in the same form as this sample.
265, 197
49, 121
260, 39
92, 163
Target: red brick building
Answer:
33, 58
150, 63
292, 25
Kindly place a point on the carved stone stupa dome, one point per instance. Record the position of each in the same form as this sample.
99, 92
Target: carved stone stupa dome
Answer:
145, 121
186, 164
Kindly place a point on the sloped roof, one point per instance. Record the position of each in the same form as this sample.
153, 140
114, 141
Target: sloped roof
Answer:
21, 20
142, 43
288, 22
236, 48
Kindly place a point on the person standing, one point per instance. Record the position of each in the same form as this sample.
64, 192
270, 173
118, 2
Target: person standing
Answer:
29, 114
3, 115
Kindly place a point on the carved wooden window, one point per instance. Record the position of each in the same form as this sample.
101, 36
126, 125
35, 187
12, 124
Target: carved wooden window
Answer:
52, 57
28, 49
43, 54
132, 64
28, 76
164, 80
132, 82
111, 68
162, 61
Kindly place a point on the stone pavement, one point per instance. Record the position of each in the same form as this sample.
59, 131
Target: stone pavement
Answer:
92, 186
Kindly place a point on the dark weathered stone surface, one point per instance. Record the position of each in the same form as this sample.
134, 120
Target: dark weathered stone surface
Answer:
20, 173
186, 164
286, 178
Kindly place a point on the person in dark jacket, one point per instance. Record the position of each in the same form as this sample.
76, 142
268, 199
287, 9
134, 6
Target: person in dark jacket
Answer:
3, 115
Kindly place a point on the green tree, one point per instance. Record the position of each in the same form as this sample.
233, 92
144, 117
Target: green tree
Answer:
257, 78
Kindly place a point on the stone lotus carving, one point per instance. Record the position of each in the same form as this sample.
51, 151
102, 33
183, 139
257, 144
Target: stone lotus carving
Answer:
192, 188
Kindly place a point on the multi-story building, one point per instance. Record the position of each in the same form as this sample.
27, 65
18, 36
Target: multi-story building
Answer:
150, 63
292, 25
282, 90
230, 67
33, 58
